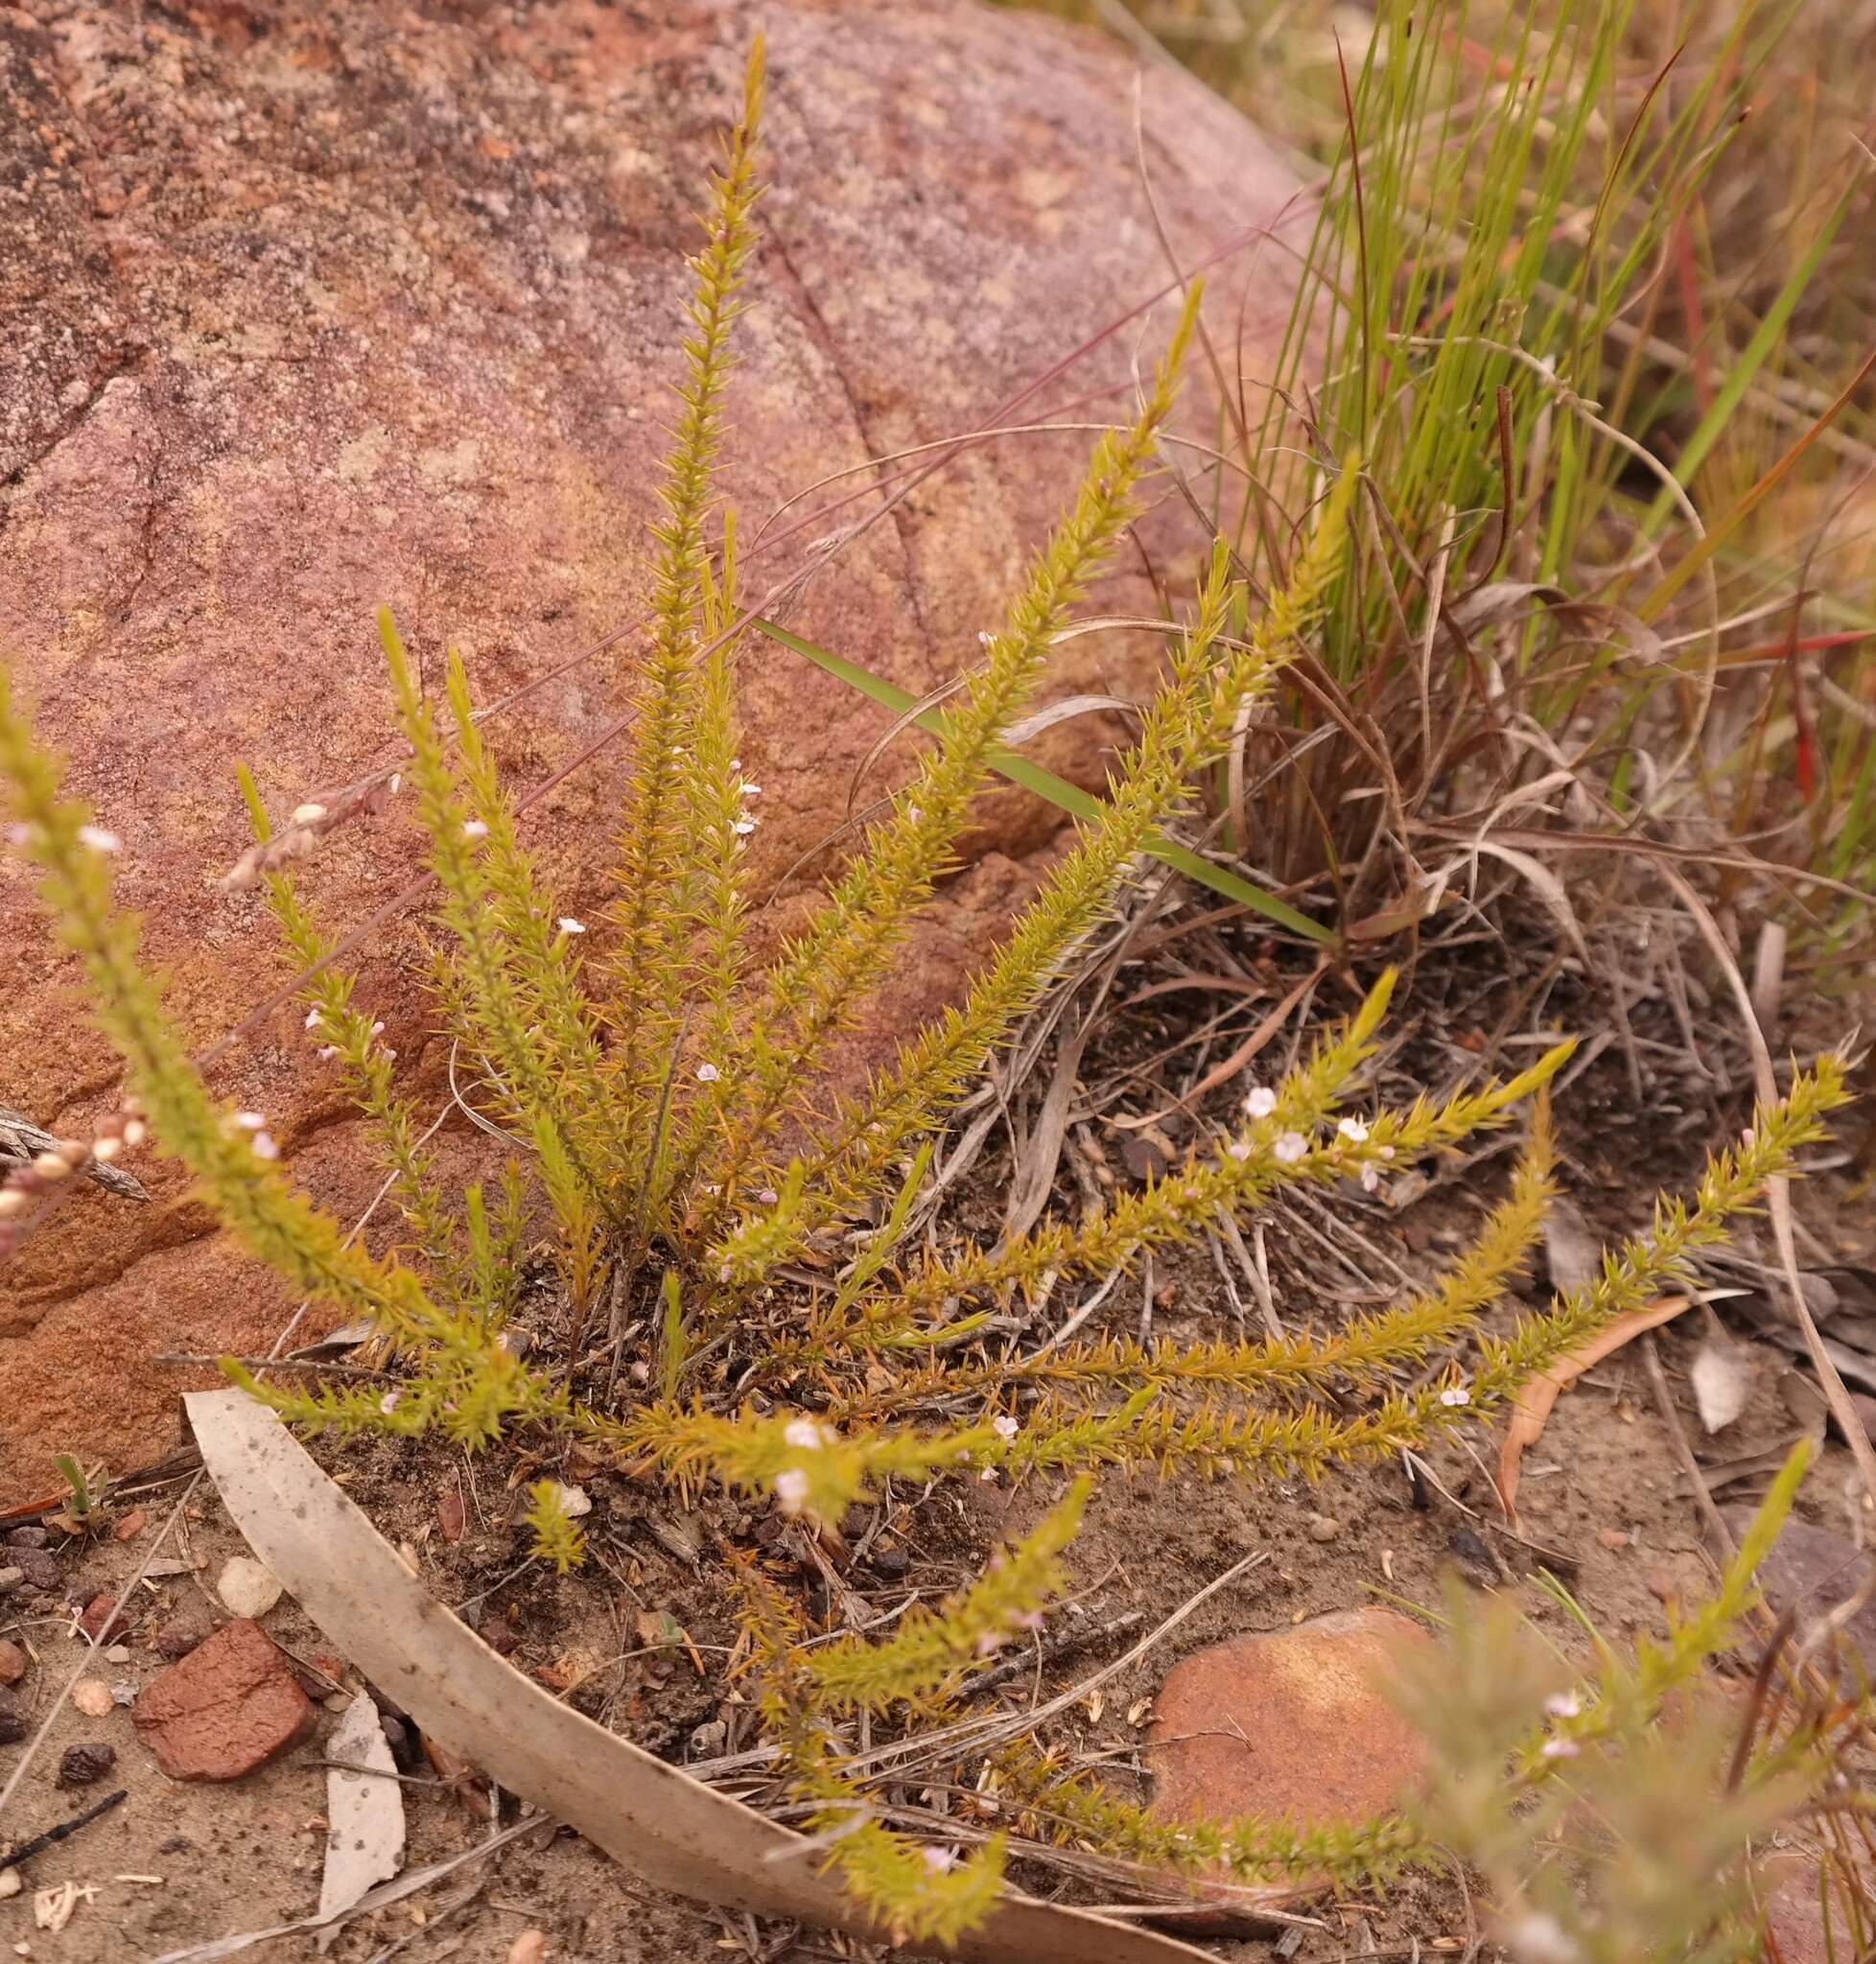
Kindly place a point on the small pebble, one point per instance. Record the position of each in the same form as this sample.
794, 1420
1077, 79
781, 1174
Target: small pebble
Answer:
890, 1561
1612, 1538
118, 1653
1323, 1527
177, 1639
12, 1727
81, 1764
39, 1567
9, 1882
248, 1588
92, 1696
9, 1579
13, 1661
28, 1537
100, 1618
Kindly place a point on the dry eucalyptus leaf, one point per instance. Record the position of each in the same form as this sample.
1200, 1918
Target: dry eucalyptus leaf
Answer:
1722, 1374
652, 1818
365, 1813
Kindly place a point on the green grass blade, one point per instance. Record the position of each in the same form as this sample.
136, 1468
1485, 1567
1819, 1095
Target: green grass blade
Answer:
1765, 341
1058, 791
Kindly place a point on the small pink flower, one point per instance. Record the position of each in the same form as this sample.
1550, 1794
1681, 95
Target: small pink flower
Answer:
569, 926
264, 1146
1260, 1101
708, 1073
1352, 1129
326, 1052
1371, 1178
939, 1861
389, 1403
251, 1121
475, 828
791, 1489
1561, 1749
1455, 1395
1238, 1150
805, 1434
1289, 1148
769, 1197
99, 839
1564, 1705
1005, 1426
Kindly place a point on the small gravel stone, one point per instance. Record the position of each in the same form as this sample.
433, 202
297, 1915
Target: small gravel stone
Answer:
1323, 1527
81, 1764
40, 1569
118, 1653
179, 1637
100, 1618
9, 1882
12, 1727
13, 1661
10, 1578
92, 1696
248, 1588
28, 1537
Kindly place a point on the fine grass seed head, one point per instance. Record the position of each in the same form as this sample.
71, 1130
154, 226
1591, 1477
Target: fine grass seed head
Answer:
668, 1096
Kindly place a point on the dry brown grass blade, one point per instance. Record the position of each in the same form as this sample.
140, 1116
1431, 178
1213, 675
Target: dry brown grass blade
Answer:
653, 1820
1531, 1411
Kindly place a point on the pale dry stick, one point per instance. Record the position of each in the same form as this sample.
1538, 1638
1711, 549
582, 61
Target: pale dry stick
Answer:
1778, 1190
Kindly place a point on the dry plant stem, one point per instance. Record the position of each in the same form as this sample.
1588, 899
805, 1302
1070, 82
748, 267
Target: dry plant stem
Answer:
1664, 1398
1778, 1191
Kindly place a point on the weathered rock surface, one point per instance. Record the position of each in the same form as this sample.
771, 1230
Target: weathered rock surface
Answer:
307, 309
1291, 1725
232, 1704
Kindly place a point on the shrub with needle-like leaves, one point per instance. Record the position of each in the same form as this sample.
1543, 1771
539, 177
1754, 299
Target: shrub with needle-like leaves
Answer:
672, 1094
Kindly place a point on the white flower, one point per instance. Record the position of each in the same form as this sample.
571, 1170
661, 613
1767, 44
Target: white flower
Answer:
1290, 1147
136, 1132
1238, 1150
743, 826
708, 1073
569, 926
749, 790
99, 839
1352, 1129
939, 1861
107, 1148
313, 1017
1561, 1749
377, 1029
805, 1433
20, 835
251, 1121
326, 1052
1536, 1937
791, 1489
1564, 1705
308, 814
264, 1146
1260, 1101
1027, 1619
1455, 1394
915, 814
388, 1403
767, 1198
1005, 1426
475, 828
1371, 1178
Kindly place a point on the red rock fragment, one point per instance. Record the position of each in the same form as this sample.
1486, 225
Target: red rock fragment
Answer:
1291, 1724
231, 1705
101, 1617
13, 1661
